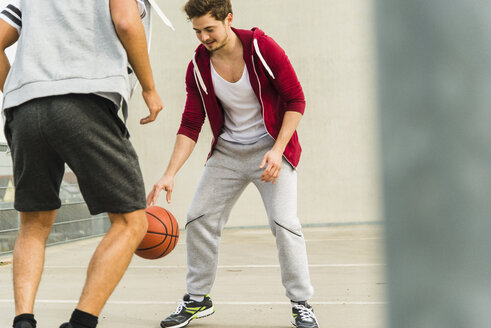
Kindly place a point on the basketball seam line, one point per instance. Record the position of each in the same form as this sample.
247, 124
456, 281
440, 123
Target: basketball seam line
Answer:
172, 231
163, 234
163, 224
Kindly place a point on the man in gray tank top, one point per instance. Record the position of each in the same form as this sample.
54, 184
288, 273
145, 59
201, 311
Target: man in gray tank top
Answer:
61, 98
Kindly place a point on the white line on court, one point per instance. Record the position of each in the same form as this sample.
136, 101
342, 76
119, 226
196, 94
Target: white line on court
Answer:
317, 240
250, 266
214, 302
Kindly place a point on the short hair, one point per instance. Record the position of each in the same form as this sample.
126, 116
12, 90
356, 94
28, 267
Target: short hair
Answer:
219, 9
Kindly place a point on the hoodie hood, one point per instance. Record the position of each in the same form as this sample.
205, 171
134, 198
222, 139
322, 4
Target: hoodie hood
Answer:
249, 39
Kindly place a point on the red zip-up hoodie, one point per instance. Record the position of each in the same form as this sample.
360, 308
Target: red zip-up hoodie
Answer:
272, 78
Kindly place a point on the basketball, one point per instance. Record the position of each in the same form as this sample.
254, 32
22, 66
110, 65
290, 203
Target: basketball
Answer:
162, 234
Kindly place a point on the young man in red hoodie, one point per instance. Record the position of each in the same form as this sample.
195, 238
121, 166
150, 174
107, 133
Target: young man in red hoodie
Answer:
246, 85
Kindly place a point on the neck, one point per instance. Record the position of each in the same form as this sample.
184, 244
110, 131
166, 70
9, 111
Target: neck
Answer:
232, 46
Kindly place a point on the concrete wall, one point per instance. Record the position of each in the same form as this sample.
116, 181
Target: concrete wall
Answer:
330, 44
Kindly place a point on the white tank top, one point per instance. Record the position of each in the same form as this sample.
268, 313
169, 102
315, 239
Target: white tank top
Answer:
242, 111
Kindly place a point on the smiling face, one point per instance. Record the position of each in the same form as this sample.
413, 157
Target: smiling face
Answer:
212, 33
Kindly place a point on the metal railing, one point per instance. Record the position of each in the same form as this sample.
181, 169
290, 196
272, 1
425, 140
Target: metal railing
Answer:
73, 221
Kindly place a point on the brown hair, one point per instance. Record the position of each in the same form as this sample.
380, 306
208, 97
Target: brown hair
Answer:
219, 9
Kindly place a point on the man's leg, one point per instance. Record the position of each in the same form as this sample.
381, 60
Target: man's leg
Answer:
111, 259
29, 257
280, 200
219, 188
213, 200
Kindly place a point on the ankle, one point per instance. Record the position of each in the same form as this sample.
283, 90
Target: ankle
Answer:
197, 298
81, 319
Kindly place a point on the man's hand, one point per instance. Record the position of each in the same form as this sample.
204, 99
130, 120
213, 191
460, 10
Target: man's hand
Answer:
154, 104
165, 183
274, 159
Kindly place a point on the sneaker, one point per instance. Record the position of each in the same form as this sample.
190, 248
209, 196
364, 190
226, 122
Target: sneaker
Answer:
188, 310
66, 325
303, 316
23, 324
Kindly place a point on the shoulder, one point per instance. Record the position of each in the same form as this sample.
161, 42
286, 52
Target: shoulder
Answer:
265, 41
11, 13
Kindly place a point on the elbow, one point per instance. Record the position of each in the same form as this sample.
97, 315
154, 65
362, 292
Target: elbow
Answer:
124, 25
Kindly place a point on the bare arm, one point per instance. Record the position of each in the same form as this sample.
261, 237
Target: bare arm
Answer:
129, 28
8, 36
275, 155
183, 148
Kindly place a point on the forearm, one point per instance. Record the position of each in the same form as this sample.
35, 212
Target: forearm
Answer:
4, 69
131, 33
183, 148
288, 127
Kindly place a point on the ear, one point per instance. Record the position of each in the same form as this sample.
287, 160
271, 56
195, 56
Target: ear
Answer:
229, 19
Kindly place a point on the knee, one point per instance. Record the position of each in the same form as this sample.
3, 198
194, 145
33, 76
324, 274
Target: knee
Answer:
135, 223
139, 225
37, 224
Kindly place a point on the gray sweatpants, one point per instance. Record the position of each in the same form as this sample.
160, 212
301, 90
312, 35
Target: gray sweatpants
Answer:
227, 173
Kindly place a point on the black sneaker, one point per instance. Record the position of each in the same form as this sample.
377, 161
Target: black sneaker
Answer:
188, 310
303, 316
23, 324
66, 325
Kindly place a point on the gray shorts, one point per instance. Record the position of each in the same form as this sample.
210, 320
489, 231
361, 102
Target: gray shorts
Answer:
83, 131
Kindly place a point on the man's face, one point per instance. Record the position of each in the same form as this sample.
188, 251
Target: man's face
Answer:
213, 34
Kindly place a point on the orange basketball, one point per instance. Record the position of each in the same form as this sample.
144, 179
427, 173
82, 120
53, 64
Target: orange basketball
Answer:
162, 234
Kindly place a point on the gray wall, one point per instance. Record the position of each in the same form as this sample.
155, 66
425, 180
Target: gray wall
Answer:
330, 44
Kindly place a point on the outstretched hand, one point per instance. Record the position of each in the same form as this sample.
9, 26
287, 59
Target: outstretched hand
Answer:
165, 183
274, 159
154, 104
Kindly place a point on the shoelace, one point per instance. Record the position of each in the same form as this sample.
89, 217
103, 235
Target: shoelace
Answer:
182, 304
305, 313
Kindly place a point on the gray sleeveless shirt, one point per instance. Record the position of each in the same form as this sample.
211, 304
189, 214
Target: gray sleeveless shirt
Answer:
68, 46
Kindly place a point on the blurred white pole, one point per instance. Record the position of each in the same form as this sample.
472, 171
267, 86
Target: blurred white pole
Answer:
434, 62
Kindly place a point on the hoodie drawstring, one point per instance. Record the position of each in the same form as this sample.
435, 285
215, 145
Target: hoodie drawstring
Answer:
197, 74
256, 47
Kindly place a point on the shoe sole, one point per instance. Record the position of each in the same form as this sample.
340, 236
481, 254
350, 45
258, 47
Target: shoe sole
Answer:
292, 320
199, 315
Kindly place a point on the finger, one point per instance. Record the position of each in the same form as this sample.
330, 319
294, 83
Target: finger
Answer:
169, 196
263, 162
276, 176
156, 194
266, 176
145, 120
149, 198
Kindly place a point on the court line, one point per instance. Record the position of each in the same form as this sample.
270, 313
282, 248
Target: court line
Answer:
307, 240
48, 301
247, 266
